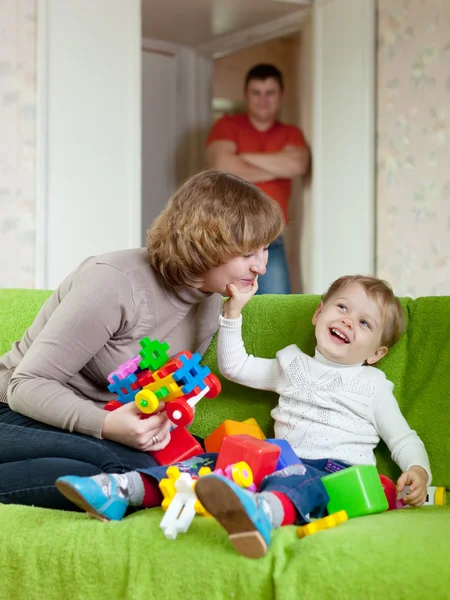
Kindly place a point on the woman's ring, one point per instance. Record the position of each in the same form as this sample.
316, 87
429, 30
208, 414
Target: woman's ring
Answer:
155, 440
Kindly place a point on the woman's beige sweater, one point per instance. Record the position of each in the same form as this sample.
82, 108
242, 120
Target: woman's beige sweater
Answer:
57, 373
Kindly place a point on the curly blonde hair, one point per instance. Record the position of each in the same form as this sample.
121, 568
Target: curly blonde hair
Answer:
381, 291
211, 218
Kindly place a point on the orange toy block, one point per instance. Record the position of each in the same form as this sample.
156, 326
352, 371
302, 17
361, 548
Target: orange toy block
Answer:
249, 427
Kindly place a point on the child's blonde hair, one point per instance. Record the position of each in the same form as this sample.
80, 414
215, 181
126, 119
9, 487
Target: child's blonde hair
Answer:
211, 218
381, 291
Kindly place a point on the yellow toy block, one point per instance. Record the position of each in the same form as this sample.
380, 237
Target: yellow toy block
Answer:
169, 489
229, 427
321, 524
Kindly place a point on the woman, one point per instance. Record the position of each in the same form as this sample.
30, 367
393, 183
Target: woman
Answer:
53, 382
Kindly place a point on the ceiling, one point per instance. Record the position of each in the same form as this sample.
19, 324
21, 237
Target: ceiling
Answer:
195, 22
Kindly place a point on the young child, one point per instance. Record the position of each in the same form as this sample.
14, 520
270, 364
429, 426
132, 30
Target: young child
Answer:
333, 406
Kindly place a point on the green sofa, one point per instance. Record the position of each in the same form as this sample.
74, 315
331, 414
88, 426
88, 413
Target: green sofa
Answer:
394, 555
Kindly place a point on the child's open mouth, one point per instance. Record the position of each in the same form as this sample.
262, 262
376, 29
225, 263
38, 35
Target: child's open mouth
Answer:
339, 336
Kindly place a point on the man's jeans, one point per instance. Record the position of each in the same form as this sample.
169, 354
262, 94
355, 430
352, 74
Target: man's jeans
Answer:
33, 455
276, 278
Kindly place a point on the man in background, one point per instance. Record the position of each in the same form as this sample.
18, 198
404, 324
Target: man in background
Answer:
262, 150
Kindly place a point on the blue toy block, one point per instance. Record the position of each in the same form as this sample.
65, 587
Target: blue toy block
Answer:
287, 454
191, 374
122, 387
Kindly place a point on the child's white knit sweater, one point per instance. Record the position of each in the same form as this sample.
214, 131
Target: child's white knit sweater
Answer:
325, 410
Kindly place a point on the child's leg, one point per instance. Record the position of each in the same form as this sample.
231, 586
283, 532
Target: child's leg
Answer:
107, 496
285, 497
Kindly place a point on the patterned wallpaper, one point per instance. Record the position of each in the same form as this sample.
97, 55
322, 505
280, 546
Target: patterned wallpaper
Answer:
413, 152
17, 142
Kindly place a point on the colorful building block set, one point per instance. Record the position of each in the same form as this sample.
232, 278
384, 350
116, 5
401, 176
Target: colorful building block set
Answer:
155, 381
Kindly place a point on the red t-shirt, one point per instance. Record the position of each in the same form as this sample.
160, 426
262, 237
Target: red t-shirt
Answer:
239, 129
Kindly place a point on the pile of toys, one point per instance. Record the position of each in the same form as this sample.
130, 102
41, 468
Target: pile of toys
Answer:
155, 381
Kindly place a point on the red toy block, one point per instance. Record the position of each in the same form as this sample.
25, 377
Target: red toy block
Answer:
145, 378
170, 367
390, 491
182, 446
112, 405
262, 457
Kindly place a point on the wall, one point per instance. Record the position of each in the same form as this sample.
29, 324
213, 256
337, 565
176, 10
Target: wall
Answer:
89, 123
17, 142
413, 179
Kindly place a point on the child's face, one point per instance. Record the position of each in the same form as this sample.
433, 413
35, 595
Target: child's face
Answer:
349, 327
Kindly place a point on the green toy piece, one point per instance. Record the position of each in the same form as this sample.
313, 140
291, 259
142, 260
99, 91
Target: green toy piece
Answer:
153, 353
357, 490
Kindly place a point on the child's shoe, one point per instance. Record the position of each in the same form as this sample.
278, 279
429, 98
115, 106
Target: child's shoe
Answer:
105, 502
240, 512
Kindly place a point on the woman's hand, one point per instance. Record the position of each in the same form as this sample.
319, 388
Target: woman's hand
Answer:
233, 306
416, 479
129, 426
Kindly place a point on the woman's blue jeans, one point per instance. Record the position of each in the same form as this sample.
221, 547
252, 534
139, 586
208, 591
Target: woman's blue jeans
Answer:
276, 278
33, 455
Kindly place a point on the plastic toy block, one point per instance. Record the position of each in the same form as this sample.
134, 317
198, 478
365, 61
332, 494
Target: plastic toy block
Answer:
261, 457
182, 508
145, 377
214, 440
240, 473
112, 405
165, 389
191, 374
321, 524
126, 368
153, 353
182, 446
173, 365
287, 454
390, 491
357, 490
435, 495
174, 390
254, 423
126, 389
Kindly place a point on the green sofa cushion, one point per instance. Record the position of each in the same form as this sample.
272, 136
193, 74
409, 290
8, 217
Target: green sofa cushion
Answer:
52, 555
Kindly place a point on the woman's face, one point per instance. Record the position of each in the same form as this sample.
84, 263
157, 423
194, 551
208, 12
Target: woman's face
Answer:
240, 270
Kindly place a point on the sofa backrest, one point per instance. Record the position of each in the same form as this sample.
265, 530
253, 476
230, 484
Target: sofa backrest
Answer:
419, 365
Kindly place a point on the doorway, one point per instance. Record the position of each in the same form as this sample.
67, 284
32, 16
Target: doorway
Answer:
228, 78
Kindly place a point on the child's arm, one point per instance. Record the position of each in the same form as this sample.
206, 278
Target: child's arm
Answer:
407, 449
234, 362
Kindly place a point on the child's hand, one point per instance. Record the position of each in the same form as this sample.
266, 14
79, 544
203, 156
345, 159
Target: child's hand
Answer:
416, 479
232, 307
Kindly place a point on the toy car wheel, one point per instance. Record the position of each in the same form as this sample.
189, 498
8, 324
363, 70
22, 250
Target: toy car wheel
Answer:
146, 401
214, 385
180, 413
